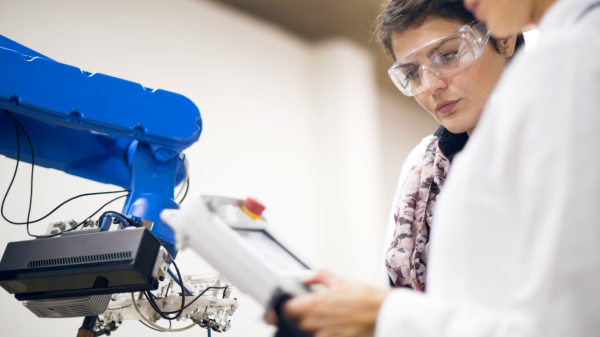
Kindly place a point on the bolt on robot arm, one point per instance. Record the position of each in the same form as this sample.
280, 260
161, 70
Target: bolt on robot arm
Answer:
112, 131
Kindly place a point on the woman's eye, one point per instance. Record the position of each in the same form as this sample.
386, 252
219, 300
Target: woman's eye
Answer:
412, 75
448, 57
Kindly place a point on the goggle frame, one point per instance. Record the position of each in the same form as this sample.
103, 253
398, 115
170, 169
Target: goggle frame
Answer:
474, 33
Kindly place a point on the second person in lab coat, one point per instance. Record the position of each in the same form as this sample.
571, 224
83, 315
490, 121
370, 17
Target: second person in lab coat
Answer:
515, 245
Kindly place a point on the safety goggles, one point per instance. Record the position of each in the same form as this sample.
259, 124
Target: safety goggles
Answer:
442, 57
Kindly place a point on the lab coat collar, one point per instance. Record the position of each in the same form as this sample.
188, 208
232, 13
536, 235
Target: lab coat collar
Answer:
562, 14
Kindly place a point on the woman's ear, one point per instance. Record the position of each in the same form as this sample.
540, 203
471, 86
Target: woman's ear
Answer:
507, 46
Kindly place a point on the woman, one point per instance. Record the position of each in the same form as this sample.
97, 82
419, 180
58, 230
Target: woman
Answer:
443, 60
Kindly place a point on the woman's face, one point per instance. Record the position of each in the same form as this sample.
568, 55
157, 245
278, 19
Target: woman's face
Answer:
505, 17
457, 101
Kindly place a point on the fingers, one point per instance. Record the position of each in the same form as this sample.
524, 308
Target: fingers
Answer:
325, 278
310, 324
301, 305
306, 311
271, 317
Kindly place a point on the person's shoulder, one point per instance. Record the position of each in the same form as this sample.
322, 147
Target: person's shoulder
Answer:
416, 153
555, 69
560, 53
410, 161
422, 146
550, 90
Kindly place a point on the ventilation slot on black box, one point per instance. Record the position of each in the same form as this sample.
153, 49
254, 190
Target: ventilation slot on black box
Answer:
80, 260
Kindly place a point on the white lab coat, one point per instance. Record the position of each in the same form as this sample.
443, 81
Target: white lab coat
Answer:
515, 243
409, 162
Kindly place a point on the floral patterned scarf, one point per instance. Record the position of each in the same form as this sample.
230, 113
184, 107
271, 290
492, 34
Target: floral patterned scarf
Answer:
406, 259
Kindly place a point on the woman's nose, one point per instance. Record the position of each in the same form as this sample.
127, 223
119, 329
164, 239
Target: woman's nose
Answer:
431, 82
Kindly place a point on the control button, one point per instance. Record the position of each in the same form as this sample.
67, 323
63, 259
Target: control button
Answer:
253, 208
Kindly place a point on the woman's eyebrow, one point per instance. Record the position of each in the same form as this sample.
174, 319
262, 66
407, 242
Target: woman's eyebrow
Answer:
406, 65
431, 48
435, 46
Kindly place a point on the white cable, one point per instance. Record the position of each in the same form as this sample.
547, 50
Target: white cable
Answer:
156, 325
119, 308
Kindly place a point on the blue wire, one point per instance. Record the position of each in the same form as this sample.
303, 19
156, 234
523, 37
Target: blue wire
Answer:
187, 292
208, 332
123, 221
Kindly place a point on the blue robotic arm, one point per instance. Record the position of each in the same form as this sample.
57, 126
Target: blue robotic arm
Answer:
116, 132
100, 128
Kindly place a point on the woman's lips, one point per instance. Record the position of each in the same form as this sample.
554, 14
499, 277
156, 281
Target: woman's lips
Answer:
446, 106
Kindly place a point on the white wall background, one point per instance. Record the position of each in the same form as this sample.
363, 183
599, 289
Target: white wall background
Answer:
302, 126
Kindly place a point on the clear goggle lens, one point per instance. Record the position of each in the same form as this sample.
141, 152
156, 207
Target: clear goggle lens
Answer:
442, 57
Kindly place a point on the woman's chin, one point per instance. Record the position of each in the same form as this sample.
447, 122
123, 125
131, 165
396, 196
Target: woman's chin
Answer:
460, 121
456, 128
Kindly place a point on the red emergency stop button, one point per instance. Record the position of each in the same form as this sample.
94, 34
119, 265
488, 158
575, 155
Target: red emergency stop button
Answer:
253, 207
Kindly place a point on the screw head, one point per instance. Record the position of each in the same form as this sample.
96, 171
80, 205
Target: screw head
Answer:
62, 225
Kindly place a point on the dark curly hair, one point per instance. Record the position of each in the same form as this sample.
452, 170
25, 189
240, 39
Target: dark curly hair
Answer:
400, 15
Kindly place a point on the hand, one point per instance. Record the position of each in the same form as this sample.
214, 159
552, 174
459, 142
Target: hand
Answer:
321, 277
345, 309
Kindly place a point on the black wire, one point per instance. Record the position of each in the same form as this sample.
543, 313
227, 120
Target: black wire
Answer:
150, 327
154, 306
32, 166
187, 187
150, 297
164, 314
59, 206
224, 291
81, 223
181, 284
194, 300
16, 122
16, 166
